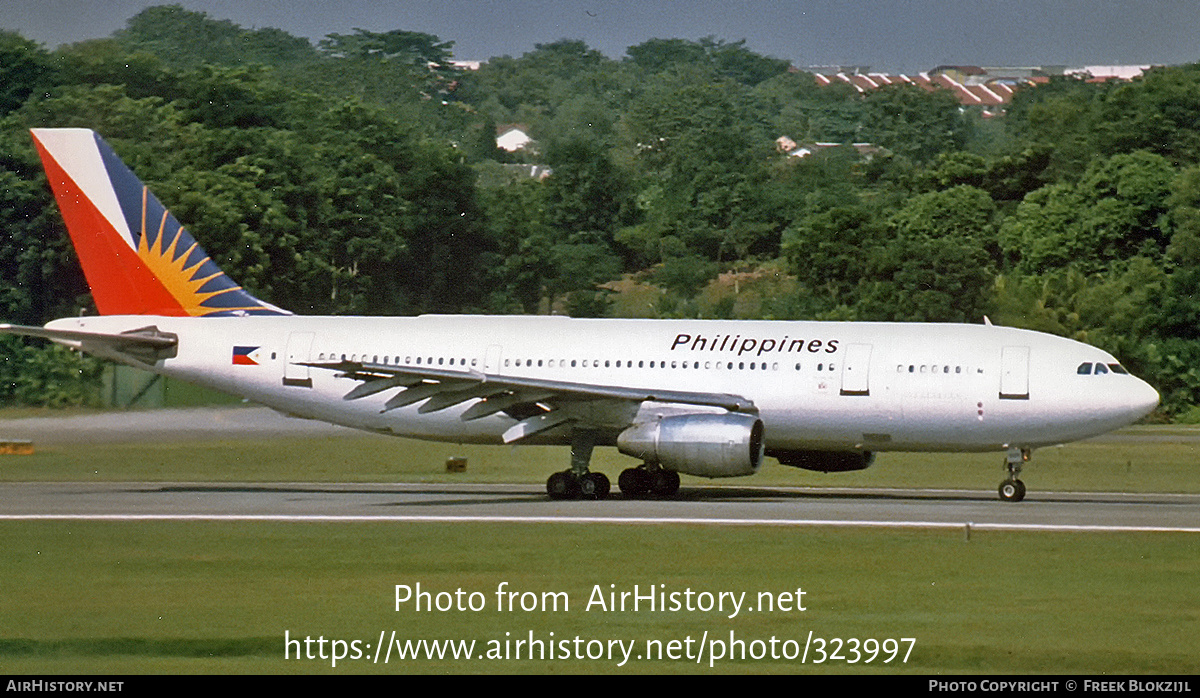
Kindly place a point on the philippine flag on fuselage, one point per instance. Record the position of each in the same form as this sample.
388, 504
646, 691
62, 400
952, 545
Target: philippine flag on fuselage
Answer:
241, 356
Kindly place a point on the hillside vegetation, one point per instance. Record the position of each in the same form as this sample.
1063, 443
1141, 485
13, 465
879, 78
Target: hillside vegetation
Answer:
361, 175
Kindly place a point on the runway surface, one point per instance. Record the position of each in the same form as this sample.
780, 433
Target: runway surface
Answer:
705, 505
725, 506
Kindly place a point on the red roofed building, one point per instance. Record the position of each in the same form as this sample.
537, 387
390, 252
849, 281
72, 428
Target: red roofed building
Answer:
987, 88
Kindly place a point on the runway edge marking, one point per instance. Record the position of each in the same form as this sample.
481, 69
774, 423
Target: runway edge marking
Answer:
312, 518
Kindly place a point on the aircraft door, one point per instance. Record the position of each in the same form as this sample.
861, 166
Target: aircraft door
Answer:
299, 349
1014, 373
856, 368
491, 360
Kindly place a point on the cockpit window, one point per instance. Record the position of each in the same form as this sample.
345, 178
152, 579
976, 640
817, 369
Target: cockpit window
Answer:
1088, 368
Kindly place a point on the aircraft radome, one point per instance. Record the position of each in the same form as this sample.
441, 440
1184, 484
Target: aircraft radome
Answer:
699, 397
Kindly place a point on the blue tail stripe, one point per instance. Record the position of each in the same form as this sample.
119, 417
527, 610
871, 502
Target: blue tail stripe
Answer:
129, 191
220, 283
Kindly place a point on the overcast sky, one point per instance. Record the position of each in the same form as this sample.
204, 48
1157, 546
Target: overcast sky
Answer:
888, 35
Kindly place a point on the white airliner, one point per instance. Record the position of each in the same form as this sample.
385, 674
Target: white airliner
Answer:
699, 397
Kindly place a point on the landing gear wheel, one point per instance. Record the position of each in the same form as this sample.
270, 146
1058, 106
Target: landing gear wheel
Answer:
634, 482
563, 485
664, 483
1012, 490
593, 486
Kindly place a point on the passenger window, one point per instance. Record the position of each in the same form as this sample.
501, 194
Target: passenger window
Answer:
1084, 369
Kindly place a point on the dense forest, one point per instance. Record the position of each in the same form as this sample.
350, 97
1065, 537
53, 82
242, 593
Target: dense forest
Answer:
361, 175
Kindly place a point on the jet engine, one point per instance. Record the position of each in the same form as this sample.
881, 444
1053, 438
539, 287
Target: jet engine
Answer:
708, 445
825, 461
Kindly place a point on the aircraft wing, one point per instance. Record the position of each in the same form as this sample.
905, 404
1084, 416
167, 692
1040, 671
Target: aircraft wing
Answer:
537, 403
143, 345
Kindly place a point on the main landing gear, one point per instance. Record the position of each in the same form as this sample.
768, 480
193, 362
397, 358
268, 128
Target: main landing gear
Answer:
648, 479
1012, 489
568, 485
580, 483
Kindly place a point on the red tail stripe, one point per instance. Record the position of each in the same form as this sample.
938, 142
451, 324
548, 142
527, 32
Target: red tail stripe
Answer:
120, 284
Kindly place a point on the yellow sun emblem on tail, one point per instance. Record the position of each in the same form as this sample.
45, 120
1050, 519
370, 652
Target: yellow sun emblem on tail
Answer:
171, 267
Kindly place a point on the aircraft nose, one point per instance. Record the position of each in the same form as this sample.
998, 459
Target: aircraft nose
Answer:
1142, 400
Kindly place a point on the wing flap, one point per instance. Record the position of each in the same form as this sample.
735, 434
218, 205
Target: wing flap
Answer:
441, 388
562, 389
535, 425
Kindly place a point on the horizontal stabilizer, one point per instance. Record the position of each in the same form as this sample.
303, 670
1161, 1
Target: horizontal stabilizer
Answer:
145, 345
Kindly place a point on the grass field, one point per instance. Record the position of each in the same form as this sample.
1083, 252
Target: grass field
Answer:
169, 597
213, 597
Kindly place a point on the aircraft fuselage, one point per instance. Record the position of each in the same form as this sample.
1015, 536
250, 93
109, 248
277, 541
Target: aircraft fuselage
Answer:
815, 385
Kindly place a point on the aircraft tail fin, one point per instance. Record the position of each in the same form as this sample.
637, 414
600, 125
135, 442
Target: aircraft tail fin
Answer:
137, 258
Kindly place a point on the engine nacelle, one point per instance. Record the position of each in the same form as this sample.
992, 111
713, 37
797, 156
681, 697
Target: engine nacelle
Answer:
708, 445
825, 461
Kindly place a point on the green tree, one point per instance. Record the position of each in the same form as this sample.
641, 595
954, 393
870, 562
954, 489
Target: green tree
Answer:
937, 266
25, 68
912, 122
187, 39
729, 60
702, 157
829, 251
1117, 210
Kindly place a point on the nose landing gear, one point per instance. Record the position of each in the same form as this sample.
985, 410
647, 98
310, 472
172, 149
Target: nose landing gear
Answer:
1012, 489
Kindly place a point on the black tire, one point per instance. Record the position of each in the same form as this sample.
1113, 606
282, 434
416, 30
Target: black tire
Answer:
562, 485
1012, 490
664, 483
594, 486
634, 482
